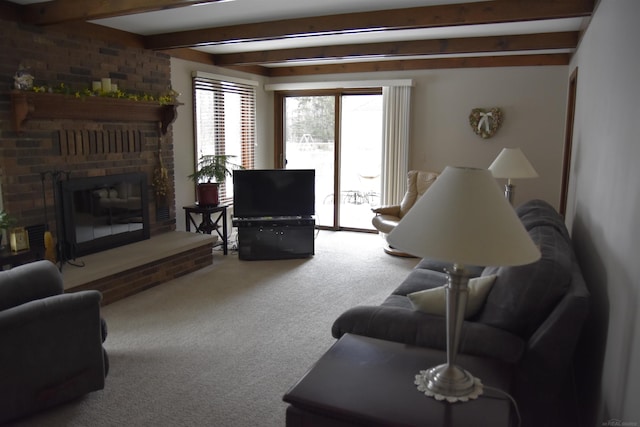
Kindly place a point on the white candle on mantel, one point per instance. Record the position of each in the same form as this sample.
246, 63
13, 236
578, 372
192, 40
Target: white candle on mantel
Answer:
114, 87
96, 86
106, 85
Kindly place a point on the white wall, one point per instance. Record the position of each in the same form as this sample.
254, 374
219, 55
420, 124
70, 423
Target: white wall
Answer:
533, 103
533, 100
183, 136
604, 207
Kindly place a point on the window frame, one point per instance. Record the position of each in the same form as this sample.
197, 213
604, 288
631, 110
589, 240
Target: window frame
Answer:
221, 86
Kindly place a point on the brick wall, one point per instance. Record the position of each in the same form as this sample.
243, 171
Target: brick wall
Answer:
56, 57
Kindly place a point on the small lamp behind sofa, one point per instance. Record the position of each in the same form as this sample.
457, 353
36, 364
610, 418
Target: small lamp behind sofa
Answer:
511, 163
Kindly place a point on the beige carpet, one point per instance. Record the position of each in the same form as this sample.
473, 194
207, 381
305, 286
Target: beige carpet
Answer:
221, 346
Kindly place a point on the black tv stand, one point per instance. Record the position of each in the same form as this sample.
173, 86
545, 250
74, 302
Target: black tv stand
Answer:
263, 238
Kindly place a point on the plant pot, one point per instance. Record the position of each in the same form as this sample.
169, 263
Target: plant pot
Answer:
208, 194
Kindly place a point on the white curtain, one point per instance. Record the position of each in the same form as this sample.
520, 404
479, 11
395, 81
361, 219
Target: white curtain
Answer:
396, 108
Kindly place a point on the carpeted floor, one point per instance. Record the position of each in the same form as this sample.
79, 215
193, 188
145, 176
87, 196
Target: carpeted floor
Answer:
221, 346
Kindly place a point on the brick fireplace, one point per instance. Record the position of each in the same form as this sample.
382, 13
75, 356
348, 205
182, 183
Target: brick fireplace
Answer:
65, 137
91, 144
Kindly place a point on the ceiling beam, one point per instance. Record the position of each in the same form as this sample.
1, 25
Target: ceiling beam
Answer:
496, 11
59, 11
191, 55
207, 58
106, 34
425, 64
562, 40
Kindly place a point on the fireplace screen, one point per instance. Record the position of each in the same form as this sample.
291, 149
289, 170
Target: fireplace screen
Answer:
104, 212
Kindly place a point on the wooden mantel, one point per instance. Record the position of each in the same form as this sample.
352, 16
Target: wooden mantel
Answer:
37, 105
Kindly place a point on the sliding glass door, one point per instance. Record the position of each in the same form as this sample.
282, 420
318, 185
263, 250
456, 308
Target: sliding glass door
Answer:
340, 136
360, 159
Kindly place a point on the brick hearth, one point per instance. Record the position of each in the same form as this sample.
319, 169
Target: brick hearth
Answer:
127, 270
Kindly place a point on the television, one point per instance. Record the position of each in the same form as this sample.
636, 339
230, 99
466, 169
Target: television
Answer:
260, 193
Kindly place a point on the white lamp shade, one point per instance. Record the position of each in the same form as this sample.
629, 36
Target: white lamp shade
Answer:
463, 218
512, 163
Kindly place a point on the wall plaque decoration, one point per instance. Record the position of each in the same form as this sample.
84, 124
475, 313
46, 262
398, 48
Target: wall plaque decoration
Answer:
485, 122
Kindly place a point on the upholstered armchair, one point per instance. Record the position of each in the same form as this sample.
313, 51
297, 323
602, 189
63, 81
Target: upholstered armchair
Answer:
50, 341
387, 217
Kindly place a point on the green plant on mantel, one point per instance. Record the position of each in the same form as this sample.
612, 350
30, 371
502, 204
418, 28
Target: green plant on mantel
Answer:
6, 221
170, 97
214, 168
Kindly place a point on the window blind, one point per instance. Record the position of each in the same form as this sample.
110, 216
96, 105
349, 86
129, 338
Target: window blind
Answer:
224, 116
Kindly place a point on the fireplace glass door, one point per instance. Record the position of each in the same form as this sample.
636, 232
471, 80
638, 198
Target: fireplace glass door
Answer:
104, 212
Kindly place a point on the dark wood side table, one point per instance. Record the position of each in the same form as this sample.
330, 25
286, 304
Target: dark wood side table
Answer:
10, 259
369, 382
208, 225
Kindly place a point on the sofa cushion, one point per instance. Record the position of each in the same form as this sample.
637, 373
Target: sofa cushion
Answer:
411, 195
536, 213
424, 181
434, 301
419, 280
397, 321
523, 296
418, 182
385, 223
28, 282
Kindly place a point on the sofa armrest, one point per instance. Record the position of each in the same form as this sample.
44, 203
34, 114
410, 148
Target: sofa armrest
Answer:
551, 348
393, 210
39, 279
413, 327
51, 352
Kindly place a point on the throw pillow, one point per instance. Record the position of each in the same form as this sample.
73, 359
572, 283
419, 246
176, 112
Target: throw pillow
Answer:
523, 296
434, 301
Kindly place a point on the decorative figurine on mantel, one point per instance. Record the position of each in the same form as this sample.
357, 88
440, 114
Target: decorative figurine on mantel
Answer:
23, 79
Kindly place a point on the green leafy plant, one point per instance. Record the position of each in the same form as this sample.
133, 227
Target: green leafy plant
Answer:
6, 221
170, 97
214, 168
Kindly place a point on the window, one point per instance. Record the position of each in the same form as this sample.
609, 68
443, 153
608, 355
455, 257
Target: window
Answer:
337, 132
224, 121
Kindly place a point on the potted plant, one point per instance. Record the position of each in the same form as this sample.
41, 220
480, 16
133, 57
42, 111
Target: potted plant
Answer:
6, 222
211, 172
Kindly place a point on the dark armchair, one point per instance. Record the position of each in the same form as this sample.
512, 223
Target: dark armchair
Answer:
50, 342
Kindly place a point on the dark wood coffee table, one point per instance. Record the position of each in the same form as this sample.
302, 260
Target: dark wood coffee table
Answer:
370, 382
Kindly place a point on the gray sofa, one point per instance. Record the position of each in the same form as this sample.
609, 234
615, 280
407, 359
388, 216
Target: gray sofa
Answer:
50, 342
532, 318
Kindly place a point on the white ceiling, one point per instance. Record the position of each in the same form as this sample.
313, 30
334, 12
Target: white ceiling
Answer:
238, 12
233, 12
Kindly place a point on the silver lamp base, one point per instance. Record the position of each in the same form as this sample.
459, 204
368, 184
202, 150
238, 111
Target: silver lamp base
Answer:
449, 382
509, 191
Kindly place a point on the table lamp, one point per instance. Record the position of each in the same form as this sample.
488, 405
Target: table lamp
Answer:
464, 219
512, 163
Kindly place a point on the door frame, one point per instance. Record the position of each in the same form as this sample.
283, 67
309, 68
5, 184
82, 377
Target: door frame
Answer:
279, 155
568, 141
